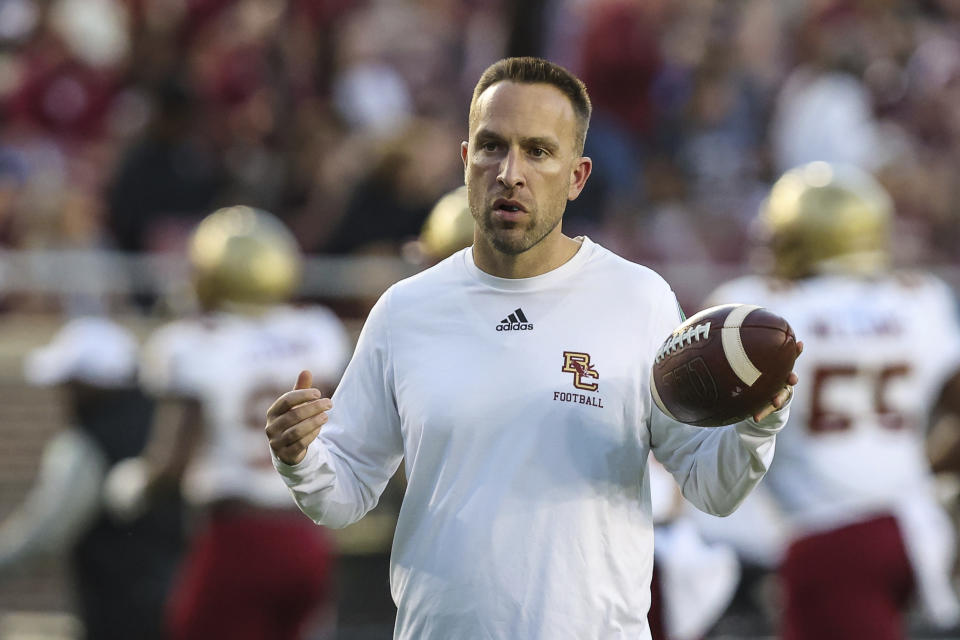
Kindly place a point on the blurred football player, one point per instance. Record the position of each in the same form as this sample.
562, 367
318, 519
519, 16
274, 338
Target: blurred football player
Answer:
258, 568
866, 533
693, 582
120, 570
447, 229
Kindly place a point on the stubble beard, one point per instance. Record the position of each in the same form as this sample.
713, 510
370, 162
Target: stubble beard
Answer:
514, 246
509, 244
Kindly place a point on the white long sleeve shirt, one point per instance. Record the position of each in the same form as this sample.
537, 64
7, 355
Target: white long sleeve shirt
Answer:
527, 513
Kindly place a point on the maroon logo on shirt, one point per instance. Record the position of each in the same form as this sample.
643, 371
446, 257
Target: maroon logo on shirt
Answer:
584, 375
578, 363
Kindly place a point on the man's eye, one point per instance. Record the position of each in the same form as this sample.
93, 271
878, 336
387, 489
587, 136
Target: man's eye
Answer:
538, 152
489, 146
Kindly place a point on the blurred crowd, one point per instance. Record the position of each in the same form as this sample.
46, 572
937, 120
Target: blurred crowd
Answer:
125, 121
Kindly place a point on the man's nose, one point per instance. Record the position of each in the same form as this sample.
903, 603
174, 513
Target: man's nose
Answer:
511, 175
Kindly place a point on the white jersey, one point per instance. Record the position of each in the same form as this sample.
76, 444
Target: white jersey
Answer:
522, 408
876, 352
235, 366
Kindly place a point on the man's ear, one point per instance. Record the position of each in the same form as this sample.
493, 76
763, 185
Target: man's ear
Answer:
578, 178
464, 147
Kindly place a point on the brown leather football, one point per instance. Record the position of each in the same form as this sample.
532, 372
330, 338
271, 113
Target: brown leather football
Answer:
723, 365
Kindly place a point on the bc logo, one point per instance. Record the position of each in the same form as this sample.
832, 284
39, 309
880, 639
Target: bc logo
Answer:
578, 364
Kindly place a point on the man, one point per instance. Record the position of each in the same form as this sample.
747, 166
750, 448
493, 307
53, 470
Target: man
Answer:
256, 568
513, 379
121, 571
851, 478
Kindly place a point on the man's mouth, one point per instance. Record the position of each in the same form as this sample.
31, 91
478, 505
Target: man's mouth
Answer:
510, 211
508, 206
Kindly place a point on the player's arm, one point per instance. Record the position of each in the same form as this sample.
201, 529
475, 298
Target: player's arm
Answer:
337, 464
170, 372
63, 500
175, 436
943, 440
186, 423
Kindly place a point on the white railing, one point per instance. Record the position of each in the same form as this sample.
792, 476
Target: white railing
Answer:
86, 272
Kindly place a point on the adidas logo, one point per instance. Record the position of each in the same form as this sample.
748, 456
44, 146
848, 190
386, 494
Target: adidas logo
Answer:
516, 321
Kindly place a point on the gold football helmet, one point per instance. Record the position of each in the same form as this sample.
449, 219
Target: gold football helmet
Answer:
821, 217
244, 256
448, 228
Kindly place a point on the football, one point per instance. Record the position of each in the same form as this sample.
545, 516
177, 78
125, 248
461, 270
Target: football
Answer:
722, 365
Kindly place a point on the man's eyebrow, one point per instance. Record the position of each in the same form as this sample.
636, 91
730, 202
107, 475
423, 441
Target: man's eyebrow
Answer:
487, 134
547, 143
533, 141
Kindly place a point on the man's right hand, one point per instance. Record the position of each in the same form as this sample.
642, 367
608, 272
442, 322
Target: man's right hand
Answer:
295, 419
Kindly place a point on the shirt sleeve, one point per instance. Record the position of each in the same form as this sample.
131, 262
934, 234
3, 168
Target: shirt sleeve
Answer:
716, 468
348, 466
166, 366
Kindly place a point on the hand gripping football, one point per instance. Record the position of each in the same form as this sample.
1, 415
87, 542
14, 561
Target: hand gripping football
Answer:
723, 365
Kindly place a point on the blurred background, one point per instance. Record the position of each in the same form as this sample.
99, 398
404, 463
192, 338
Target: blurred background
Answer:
124, 122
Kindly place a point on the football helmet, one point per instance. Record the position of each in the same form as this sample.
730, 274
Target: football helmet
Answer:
243, 256
449, 226
822, 217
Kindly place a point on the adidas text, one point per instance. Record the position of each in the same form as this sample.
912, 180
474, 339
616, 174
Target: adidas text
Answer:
515, 326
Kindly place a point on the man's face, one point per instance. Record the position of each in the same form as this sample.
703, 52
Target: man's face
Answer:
521, 164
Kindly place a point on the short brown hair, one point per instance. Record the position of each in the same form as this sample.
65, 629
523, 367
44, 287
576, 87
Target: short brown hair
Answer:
529, 70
